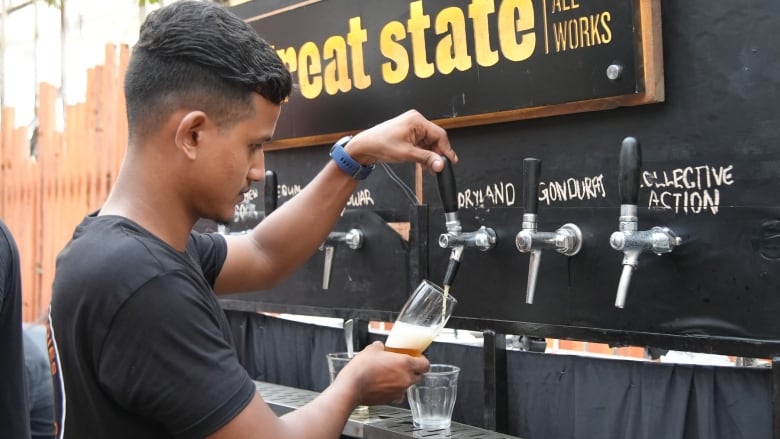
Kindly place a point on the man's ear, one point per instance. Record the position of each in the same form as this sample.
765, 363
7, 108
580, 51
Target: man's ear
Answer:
189, 133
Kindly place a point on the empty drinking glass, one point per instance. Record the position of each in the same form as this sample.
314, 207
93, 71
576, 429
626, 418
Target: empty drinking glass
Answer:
433, 398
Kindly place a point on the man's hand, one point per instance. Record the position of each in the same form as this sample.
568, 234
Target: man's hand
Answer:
407, 137
380, 377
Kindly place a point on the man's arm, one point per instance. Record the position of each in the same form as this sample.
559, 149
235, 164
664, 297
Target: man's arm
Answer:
372, 377
286, 239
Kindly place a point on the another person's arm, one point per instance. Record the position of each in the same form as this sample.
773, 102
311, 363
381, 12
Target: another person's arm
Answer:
286, 239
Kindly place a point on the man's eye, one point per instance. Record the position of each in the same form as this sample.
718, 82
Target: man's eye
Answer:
256, 146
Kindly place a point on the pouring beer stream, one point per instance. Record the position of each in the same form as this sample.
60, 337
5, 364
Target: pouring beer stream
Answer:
449, 200
415, 329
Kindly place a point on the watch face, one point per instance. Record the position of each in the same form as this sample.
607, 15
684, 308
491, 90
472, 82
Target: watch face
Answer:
343, 141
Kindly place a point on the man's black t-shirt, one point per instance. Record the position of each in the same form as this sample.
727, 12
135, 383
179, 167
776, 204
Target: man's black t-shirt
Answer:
143, 349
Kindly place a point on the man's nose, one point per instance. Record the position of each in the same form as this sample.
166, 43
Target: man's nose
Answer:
257, 169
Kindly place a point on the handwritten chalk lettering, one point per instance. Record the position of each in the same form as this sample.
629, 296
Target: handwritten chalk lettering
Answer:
688, 190
694, 202
251, 195
247, 209
361, 198
289, 191
498, 194
244, 211
571, 189
691, 177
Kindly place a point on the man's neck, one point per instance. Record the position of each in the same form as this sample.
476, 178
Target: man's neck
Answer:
157, 212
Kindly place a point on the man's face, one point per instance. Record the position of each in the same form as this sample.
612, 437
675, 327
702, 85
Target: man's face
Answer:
233, 159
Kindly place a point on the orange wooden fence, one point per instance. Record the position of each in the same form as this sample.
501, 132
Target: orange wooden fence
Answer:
45, 196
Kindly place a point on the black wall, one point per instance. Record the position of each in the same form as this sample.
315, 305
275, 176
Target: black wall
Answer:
715, 293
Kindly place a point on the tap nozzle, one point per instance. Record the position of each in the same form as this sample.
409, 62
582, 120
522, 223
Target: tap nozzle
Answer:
566, 240
452, 270
354, 240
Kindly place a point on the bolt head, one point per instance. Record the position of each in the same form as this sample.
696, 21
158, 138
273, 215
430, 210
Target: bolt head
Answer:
617, 240
523, 241
354, 239
614, 72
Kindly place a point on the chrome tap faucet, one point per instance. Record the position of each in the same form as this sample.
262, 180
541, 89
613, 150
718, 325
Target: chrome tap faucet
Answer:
566, 240
455, 239
629, 239
354, 240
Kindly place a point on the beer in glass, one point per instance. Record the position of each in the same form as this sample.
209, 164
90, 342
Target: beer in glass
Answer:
421, 319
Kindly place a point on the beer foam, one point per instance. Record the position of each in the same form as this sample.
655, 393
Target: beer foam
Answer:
406, 335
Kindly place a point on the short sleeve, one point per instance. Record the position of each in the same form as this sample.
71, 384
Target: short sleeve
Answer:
211, 248
165, 357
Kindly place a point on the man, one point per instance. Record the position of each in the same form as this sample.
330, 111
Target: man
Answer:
14, 411
142, 347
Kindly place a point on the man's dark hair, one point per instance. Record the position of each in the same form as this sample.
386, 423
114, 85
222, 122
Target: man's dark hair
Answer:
196, 54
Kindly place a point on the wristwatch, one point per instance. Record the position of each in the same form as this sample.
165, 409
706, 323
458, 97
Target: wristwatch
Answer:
347, 163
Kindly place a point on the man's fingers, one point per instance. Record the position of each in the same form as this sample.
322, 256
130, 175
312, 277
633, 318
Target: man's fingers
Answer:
437, 164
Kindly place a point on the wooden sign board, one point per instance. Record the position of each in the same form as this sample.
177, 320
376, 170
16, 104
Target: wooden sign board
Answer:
358, 62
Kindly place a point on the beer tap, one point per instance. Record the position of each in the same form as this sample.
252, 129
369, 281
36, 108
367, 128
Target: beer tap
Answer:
484, 238
354, 240
566, 240
628, 239
270, 192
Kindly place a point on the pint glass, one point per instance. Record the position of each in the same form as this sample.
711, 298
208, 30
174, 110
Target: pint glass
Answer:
433, 398
336, 362
421, 319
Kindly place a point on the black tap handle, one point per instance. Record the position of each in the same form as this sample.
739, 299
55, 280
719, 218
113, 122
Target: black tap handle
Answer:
532, 170
630, 170
271, 192
447, 192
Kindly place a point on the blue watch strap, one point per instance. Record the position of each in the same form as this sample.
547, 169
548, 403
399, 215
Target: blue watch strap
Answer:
347, 163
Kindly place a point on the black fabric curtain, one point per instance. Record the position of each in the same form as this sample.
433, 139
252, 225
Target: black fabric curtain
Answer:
563, 396
548, 396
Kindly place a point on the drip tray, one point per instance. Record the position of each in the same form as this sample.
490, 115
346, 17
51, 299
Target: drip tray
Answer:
382, 422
